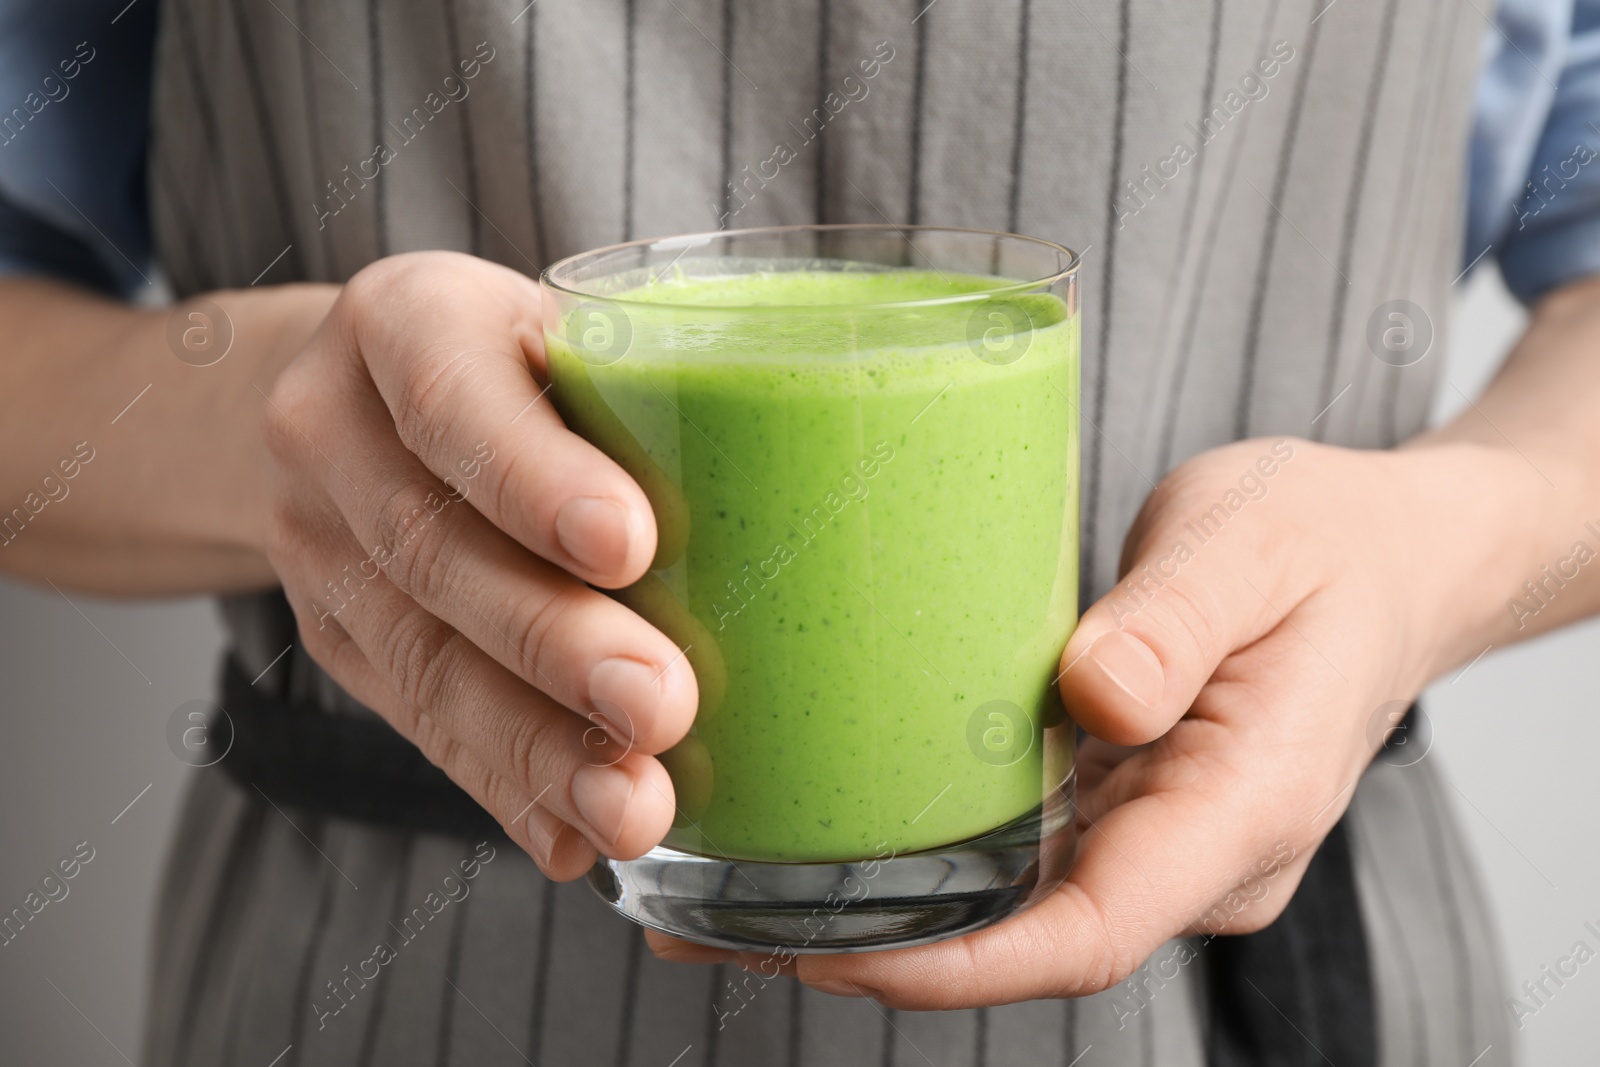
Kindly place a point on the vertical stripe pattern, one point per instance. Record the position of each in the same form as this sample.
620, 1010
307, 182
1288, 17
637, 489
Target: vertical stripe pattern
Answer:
1291, 135
516, 970
1227, 286
1098, 365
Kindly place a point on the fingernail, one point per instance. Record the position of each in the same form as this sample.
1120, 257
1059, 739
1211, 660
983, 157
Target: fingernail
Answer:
621, 688
602, 795
840, 988
684, 952
543, 829
594, 531
1130, 664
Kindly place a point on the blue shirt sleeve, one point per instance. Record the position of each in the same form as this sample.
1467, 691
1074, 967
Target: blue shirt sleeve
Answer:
1535, 164
74, 126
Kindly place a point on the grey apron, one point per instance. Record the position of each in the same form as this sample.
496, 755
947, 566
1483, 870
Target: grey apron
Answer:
1249, 181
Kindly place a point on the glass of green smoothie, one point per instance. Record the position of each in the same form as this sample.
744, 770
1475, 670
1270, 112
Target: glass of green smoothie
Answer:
861, 447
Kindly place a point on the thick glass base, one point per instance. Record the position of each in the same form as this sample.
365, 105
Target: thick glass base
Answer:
886, 901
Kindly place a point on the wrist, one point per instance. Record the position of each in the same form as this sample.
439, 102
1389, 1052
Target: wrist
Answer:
1476, 521
286, 319
223, 491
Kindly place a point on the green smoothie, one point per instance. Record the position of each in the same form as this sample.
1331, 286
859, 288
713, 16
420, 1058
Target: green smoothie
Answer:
868, 525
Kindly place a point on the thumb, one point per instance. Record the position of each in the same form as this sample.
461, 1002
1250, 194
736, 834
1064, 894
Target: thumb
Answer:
1193, 592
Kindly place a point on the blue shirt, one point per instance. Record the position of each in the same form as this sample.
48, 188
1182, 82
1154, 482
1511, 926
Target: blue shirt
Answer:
75, 96
74, 122
1534, 179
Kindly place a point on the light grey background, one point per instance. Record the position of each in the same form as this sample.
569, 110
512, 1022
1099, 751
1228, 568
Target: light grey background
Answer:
88, 687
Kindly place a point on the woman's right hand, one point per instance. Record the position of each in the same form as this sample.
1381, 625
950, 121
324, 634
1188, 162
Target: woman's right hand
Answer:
434, 525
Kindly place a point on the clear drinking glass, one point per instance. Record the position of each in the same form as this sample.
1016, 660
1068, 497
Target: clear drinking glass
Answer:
861, 447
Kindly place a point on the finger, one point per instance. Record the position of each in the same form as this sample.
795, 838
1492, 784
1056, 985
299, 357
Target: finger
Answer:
582, 648
1259, 727
676, 950
1141, 653
443, 693
451, 343
559, 849
1094, 760
1249, 905
1137, 880
1140, 877
1262, 891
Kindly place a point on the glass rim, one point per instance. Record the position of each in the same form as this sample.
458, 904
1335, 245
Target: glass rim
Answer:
692, 240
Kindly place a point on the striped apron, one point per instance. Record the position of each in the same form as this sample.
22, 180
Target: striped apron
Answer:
1248, 180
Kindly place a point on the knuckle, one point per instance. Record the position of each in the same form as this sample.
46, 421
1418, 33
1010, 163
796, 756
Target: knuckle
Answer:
286, 415
374, 283
1181, 769
1204, 492
325, 644
284, 532
404, 280
509, 484
503, 800
542, 617
1191, 611
424, 657
484, 786
1116, 957
441, 750
430, 379
1260, 916
331, 648
1173, 611
473, 775
1101, 942
411, 559
972, 967
369, 283
533, 742
1184, 489
1120, 961
1243, 910
280, 437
